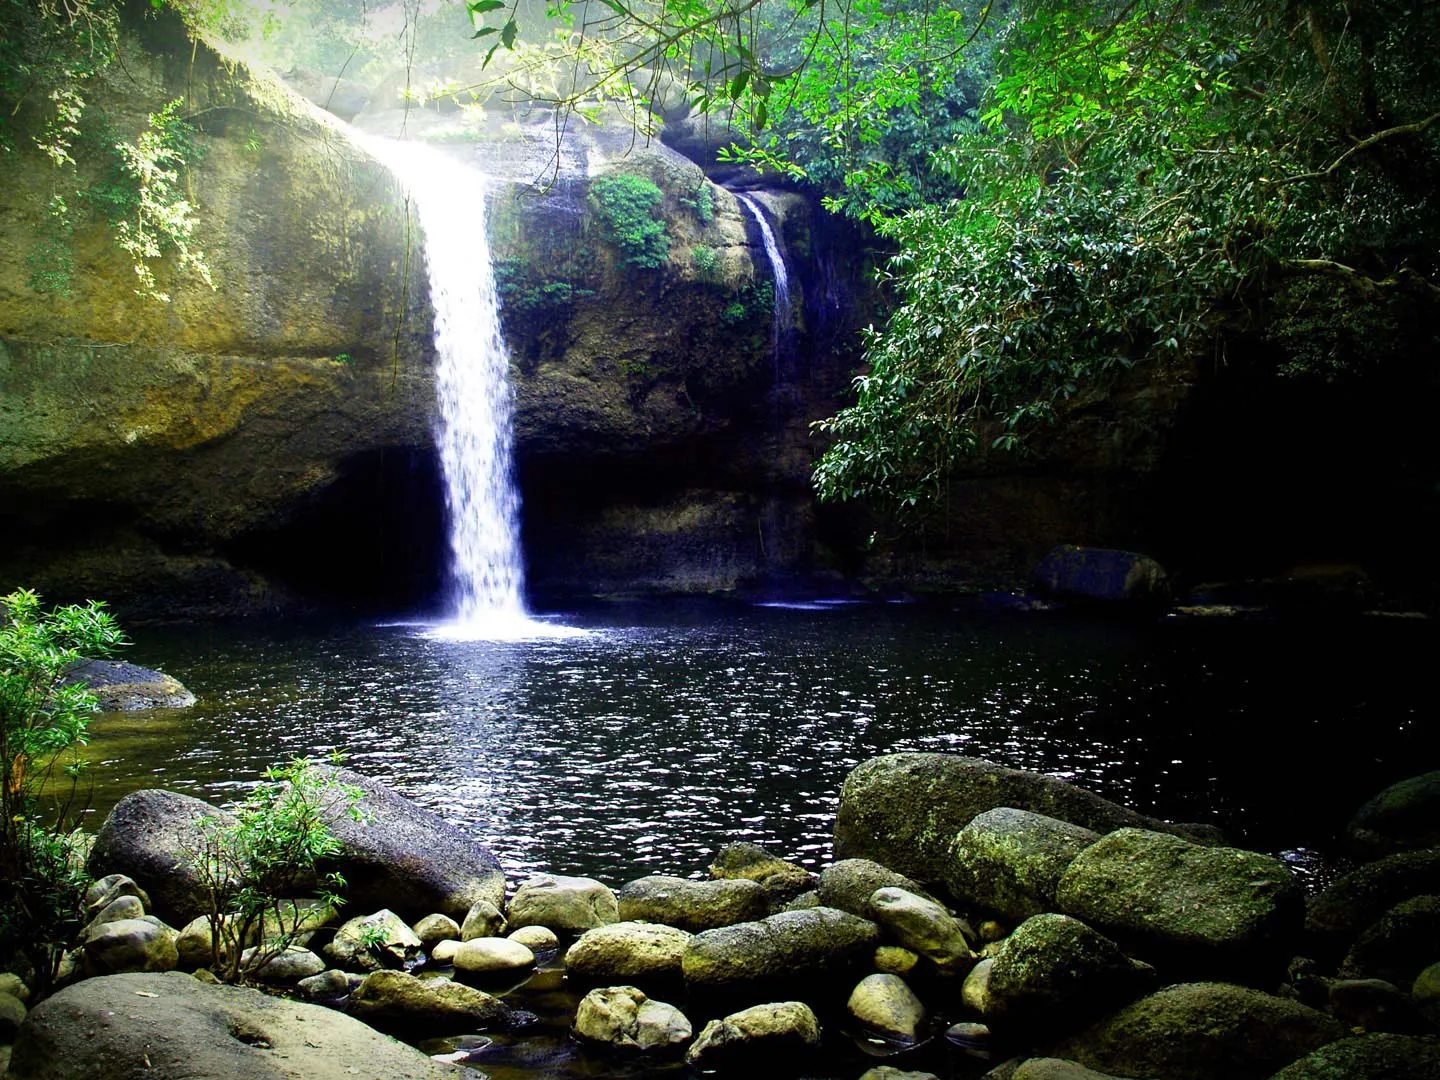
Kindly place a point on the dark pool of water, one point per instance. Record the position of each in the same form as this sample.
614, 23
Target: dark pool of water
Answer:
670, 729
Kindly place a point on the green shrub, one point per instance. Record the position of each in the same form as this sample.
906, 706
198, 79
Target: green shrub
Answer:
626, 205
701, 204
707, 259
43, 723
751, 302
258, 863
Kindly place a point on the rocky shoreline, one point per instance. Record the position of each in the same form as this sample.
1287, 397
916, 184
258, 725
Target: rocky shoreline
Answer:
977, 921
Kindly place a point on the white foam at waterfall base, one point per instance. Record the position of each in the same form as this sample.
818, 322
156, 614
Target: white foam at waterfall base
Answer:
474, 429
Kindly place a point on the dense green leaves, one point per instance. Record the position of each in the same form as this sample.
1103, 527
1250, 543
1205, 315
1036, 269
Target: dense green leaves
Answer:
43, 723
269, 854
1150, 182
626, 205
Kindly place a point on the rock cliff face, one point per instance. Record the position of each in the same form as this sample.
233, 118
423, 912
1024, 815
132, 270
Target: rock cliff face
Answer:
269, 440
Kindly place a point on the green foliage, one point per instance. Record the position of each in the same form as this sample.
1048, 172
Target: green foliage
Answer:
701, 204
706, 259
149, 211
754, 301
626, 205
345, 358
43, 722
256, 865
51, 261
523, 294
47, 65
1144, 181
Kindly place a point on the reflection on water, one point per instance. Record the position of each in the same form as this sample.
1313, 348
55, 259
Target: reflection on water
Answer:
642, 745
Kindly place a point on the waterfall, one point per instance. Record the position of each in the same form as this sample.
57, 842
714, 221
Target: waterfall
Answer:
473, 431
777, 267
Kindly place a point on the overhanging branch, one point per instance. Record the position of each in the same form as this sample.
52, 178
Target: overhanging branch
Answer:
1364, 144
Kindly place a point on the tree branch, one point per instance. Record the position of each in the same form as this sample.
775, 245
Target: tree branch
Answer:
1402, 277
1364, 144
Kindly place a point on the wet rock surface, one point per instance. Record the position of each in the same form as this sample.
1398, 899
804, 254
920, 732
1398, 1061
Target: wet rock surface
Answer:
904, 810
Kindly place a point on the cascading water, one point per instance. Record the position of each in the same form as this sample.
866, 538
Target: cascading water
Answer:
472, 365
777, 267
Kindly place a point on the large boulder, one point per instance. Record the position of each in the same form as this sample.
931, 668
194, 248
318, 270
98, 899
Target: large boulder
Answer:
122, 687
1203, 1031
1199, 910
1403, 817
904, 810
1335, 916
1056, 972
174, 1027
408, 859
849, 884
1399, 945
400, 1003
623, 1018
790, 945
1010, 861
628, 951
1100, 575
767, 1038
564, 904
156, 838
693, 905
1369, 1057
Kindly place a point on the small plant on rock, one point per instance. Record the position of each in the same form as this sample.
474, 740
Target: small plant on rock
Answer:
267, 856
626, 205
43, 722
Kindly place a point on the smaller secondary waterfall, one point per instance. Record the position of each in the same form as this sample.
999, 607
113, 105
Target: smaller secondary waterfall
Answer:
777, 267
474, 432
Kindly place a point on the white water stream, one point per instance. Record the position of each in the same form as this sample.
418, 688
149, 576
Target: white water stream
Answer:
474, 431
777, 267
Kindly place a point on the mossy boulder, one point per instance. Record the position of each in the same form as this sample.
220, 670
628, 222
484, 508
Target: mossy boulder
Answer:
781, 880
1100, 575
1337, 914
769, 1039
627, 952
1011, 861
1054, 974
119, 686
1403, 817
788, 946
399, 1003
1369, 1057
904, 810
1399, 945
1190, 908
849, 884
155, 837
693, 905
1203, 1031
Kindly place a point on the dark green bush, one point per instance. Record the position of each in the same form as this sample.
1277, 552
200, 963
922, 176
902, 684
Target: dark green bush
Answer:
626, 205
